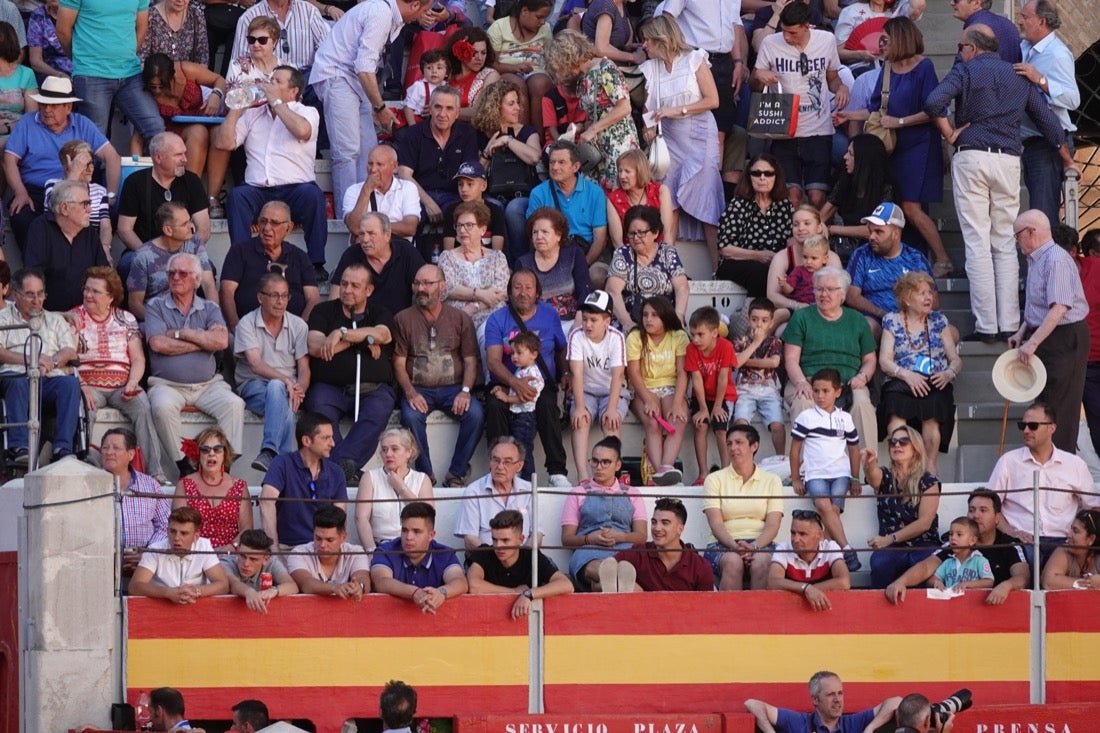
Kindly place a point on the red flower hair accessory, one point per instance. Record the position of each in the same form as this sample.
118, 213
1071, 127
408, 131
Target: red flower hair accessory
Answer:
190, 449
463, 50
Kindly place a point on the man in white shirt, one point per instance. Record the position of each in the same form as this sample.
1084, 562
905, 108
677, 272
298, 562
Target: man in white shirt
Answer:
805, 62
809, 564
500, 489
385, 193
182, 569
280, 143
330, 565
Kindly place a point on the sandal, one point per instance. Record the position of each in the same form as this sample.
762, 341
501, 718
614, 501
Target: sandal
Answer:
943, 268
454, 482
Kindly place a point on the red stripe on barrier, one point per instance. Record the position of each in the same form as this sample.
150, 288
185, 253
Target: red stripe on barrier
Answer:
1071, 610
853, 612
1075, 691
313, 617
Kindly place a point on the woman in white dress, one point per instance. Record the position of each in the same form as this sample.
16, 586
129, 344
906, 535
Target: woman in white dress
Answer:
680, 95
384, 492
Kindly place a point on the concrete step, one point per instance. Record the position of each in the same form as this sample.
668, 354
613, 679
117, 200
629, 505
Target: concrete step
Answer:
979, 423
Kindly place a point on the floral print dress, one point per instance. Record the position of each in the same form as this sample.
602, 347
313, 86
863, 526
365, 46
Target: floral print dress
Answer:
600, 87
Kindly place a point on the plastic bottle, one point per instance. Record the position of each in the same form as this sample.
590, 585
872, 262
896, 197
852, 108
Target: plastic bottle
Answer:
435, 255
244, 97
143, 716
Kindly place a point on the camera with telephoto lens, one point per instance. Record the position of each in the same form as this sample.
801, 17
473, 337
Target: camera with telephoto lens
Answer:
944, 709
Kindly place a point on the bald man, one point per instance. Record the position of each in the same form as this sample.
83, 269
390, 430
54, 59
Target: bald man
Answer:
1054, 326
383, 192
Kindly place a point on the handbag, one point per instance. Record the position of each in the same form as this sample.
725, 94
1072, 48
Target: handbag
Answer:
874, 126
657, 154
773, 115
509, 176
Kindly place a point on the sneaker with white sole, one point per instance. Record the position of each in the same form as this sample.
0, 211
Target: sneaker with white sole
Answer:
609, 573
560, 481
627, 576
667, 476
851, 559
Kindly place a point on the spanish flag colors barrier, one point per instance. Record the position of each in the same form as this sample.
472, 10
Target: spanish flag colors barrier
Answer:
657, 654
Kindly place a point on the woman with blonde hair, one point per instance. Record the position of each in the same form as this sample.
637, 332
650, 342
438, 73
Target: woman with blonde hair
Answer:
918, 356
680, 94
637, 188
384, 491
908, 499
221, 498
601, 89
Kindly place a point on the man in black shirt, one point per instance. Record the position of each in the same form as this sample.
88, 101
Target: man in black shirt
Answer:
1006, 557
341, 333
506, 567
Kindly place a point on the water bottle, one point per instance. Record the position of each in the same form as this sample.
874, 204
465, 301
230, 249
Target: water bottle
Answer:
143, 716
244, 97
435, 255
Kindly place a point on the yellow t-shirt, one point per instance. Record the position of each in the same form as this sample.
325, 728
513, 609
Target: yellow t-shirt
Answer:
659, 365
744, 518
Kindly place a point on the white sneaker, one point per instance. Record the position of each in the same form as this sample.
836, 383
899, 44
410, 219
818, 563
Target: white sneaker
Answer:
560, 481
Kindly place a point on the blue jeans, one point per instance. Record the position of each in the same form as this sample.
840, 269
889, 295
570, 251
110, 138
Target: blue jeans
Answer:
889, 564
470, 424
349, 111
1047, 546
524, 429
834, 489
269, 398
307, 207
61, 392
128, 95
374, 413
1043, 177
516, 243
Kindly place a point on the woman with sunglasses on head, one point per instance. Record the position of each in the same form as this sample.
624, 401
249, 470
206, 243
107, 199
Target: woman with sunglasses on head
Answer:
919, 358
221, 498
601, 516
755, 225
78, 162
908, 502
1077, 563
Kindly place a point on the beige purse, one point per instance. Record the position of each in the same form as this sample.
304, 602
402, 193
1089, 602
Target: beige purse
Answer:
874, 126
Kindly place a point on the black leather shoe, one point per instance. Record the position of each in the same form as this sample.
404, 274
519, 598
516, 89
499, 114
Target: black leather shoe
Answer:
985, 338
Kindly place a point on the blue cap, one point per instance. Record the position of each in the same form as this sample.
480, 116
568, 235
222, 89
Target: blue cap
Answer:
470, 170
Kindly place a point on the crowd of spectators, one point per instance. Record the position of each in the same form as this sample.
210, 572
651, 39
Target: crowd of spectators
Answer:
513, 256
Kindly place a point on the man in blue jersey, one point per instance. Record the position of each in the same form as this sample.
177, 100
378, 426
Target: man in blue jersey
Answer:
828, 716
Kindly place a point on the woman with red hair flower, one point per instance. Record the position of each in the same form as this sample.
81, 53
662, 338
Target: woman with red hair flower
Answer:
471, 57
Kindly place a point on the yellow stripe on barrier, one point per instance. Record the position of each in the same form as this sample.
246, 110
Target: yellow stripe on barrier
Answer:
1072, 656
710, 658
349, 662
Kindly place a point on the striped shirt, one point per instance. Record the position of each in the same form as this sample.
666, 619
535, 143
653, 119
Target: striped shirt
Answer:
304, 26
818, 569
144, 519
826, 437
1052, 279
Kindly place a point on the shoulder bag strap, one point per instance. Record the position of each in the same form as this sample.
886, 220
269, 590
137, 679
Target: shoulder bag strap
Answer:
885, 87
523, 327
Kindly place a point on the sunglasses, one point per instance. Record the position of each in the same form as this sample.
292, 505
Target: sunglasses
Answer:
899, 441
808, 515
286, 43
762, 174
803, 64
1086, 519
262, 40
1031, 425
216, 448
431, 337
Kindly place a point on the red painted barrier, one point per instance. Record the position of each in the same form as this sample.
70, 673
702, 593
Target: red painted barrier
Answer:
1065, 718
9, 642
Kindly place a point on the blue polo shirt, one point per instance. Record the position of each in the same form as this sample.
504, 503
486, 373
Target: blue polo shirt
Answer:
246, 262
427, 574
546, 323
788, 721
875, 276
585, 209
434, 168
291, 478
37, 147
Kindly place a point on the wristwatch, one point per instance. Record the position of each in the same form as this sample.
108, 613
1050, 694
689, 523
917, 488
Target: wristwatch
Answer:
380, 107
465, 390
370, 340
528, 595
274, 103
1042, 81
343, 333
683, 111
177, 334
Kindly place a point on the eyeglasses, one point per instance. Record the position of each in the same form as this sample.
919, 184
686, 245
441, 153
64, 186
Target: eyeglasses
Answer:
86, 204
964, 45
278, 267
638, 233
280, 297
1019, 232
36, 295
824, 290
466, 225
894, 442
262, 40
762, 174
216, 448
178, 273
168, 195
1031, 425
601, 462
496, 461
92, 291
425, 283
283, 38
808, 515
431, 337
803, 64
313, 490
263, 221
